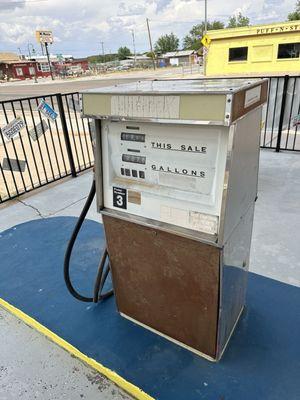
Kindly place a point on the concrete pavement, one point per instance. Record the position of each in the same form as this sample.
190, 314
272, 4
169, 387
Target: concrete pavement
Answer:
32, 367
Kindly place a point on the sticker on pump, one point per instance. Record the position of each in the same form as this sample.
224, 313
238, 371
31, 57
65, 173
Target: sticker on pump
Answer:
120, 197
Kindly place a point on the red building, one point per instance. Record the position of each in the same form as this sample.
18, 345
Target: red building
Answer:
11, 67
19, 69
71, 66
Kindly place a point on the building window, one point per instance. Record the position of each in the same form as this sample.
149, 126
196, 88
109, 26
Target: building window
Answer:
31, 70
238, 54
19, 71
288, 50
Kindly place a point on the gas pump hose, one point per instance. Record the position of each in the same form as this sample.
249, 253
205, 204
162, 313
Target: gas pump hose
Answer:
102, 270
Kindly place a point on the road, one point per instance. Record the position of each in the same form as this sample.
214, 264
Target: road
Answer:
17, 90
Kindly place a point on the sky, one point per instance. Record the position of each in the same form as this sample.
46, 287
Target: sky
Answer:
79, 26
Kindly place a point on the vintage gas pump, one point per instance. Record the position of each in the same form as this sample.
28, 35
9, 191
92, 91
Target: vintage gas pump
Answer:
176, 165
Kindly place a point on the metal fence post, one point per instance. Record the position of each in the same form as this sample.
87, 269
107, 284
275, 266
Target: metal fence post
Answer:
66, 133
282, 110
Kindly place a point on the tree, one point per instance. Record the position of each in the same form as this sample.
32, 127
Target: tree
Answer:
123, 53
102, 58
236, 21
192, 41
293, 16
166, 43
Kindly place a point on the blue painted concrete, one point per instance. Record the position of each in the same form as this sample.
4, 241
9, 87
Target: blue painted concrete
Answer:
261, 362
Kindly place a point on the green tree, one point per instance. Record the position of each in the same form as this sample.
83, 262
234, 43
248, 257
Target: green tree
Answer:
295, 15
100, 58
166, 43
192, 41
123, 53
236, 21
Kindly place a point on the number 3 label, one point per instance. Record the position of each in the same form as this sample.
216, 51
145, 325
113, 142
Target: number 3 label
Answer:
120, 197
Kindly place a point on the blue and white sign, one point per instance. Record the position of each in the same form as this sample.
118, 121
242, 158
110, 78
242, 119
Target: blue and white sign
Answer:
47, 111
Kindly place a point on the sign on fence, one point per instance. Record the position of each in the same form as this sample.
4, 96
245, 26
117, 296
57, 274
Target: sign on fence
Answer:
13, 128
296, 120
10, 164
47, 110
38, 130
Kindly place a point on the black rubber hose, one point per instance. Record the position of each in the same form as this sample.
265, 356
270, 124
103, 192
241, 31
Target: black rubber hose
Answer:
68, 253
99, 276
103, 279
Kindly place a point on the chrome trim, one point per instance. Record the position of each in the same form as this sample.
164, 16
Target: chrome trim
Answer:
228, 109
218, 350
232, 130
163, 226
98, 165
231, 134
220, 354
172, 86
114, 118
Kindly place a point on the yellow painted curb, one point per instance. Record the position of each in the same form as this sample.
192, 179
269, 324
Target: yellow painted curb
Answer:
113, 376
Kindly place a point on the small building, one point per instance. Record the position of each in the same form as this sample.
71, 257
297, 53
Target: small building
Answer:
272, 49
11, 67
71, 66
61, 64
141, 60
180, 57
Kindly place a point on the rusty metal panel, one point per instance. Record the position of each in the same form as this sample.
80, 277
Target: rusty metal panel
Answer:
166, 282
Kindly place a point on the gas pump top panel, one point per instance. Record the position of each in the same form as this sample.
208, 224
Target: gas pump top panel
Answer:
165, 148
216, 101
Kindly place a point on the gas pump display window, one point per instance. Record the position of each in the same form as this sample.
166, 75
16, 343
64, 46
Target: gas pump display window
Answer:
133, 159
133, 137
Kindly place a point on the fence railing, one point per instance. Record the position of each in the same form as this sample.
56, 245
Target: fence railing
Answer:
44, 151
47, 150
279, 131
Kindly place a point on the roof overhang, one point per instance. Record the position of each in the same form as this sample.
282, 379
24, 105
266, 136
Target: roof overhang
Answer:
256, 30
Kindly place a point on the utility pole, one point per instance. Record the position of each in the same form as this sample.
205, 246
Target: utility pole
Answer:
150, 42
29, 54
42, 47
133, 41
33, 50
102, 44
49, 62
205, 32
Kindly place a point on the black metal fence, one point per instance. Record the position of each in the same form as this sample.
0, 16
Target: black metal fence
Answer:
281, 115
47, 150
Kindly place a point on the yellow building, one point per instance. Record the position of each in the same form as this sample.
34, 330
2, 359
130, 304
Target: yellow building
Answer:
272, 49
